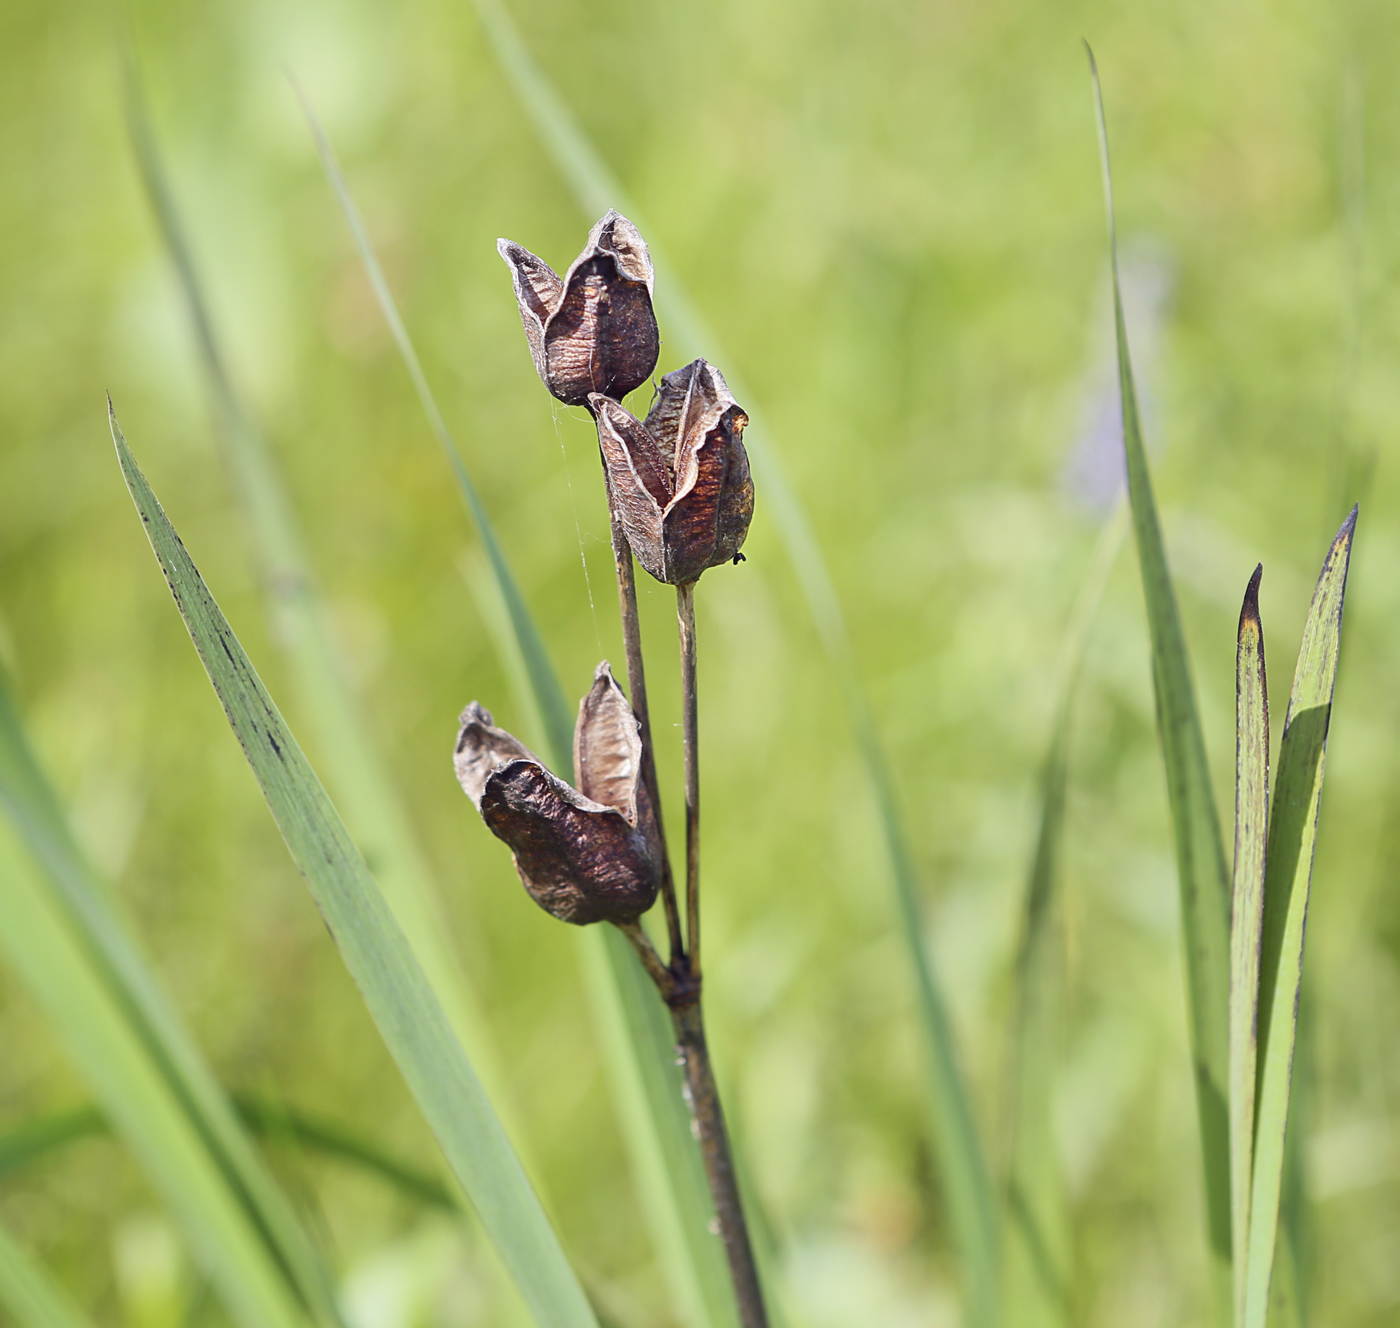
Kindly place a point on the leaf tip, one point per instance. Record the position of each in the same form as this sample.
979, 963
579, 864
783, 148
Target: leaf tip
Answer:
1249, 611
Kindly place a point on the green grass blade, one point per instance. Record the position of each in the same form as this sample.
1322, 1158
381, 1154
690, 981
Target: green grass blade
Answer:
971, 1198
30, 1296
94, 1024
373, 807
1292, 840
554, 708
656, 1125
1038, 1230
1200, 854
395, 990
37, 1138
34, 1139
82, 927
1247, 911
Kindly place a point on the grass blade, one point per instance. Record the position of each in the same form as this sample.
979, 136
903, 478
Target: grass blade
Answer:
1247, 911
372, 804
396, 992
1200, 854
30, 1296
554, 708
106, 1044
149, 1075
971, 1199
1292, 840
1038, 1235
33, 1139
37, 1138
633, 1025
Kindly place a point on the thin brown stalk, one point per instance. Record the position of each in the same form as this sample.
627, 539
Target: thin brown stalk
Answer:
637, 695
685, 612
719, 1162
651, 961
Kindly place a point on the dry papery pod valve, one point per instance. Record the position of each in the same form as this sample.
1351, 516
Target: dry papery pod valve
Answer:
679, 481
588, 853
593, 330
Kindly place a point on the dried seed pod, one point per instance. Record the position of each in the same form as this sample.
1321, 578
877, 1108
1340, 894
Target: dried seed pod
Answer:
586, 854
594, 330
679, 483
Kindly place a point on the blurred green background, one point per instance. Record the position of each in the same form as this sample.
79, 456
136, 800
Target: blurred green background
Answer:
891, 215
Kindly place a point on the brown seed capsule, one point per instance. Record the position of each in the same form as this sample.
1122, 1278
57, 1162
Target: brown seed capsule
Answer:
679, 483
594, 330
585, 854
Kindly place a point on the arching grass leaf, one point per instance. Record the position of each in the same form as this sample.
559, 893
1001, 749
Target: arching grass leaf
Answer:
1200, 853
396, 992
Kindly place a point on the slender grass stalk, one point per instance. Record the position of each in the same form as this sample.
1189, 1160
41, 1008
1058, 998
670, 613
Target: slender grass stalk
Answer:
690, 725
1247, 913
1038, 1254
26, 1143
1200, 853
968, 1190
634, 1029
29, 1294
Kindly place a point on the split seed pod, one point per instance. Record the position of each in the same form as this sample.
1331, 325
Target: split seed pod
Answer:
679, 482
594, 330
585, 854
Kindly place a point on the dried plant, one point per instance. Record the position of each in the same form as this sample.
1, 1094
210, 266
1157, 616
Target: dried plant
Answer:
680, 499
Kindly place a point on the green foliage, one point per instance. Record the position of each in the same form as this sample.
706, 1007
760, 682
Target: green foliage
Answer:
73, 952
1200, 857
890, 222
1292, 843
29, 1294
395, 990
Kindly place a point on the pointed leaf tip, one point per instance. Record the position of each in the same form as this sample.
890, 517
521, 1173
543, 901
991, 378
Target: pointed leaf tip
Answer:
1249, 611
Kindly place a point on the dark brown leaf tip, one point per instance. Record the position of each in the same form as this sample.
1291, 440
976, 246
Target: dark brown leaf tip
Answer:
584, 856
593, 330
679, 483
1249, 611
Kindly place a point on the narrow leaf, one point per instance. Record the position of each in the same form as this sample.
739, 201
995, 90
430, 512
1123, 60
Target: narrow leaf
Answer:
1247, 910
34, 1139
147, 1071
30, 1296
972, 1201
1292, 841
397, 994
632, 1023
1200, 854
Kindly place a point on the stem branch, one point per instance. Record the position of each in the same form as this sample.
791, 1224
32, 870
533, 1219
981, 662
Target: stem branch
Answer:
637, 695
685, 612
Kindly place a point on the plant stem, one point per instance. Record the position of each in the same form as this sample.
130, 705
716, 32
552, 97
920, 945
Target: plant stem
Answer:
637, 695
685, 612
651, 961
708, 1116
